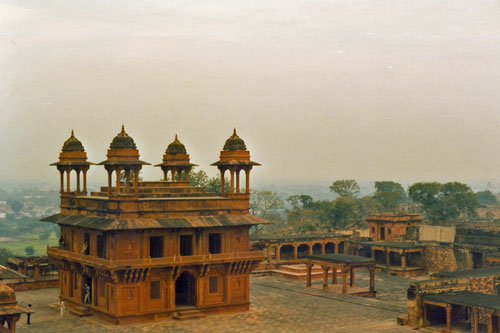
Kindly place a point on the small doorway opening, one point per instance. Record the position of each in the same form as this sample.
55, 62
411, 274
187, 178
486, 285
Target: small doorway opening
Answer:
185, 290
382, 233
87, 290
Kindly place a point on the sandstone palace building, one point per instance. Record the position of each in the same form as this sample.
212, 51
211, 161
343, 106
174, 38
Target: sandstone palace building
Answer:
141, 250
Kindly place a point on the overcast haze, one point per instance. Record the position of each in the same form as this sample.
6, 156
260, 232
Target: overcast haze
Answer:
404, 90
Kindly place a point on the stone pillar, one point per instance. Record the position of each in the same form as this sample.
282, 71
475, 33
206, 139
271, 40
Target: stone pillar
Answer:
278, 252
344, 280
136, 182
372, 278
188, 170
232, 181
322, 248
334, 275
62, 181
118, 171
295, 252
238, 181
110, 173
403, 261
68, 188
85, 180
309, 272
310, 249
222, 182
247, 175
269, 256
475, 328
336, 248
325, 276
448, 317
489, 322
351, 280
127, 181
77, 181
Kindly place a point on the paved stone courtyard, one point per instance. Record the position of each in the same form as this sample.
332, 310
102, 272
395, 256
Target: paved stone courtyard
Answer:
278, 305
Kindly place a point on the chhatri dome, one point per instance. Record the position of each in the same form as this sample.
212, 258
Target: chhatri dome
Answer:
176, 147
123, 141
234, 143
72, 144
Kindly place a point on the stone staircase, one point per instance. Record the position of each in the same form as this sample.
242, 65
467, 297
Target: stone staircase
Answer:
190, 313
80, 310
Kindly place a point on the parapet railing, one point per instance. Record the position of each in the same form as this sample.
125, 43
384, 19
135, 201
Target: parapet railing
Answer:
175, 260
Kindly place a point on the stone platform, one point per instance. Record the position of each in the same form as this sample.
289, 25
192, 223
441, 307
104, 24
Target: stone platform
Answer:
277, 305
298, 272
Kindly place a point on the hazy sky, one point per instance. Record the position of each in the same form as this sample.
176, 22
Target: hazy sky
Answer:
319, 90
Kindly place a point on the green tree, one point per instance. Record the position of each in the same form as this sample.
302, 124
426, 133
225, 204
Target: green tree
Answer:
201, 179
265, 203
5, 255
486, 198
390, 194
300, 201
198, 179
344, 212
30, 250
445, 202
345, 188
458, 200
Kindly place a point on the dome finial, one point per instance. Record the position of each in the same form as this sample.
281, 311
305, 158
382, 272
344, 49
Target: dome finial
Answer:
123, 128
72, 133
176, 137
234, 131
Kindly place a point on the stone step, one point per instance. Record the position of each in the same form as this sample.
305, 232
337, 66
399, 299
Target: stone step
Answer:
188, 314
80, 311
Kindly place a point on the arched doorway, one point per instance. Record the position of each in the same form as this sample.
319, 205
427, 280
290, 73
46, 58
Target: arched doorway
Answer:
330, 248
185, 290
302, 251
317, 248
286, 252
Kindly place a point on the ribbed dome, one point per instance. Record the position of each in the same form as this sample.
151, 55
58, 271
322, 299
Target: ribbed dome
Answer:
235, 143
176, 147
123, 141
72, 144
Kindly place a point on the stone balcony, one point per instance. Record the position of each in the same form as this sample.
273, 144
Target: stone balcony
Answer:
203, 259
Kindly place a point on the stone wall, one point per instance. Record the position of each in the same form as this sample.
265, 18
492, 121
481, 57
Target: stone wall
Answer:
439, 258
431, 233
419, 288
483, 284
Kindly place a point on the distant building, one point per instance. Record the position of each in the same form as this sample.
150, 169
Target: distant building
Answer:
391, 226
139, 250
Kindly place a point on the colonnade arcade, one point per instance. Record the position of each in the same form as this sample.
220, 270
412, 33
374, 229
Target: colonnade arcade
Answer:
397, 257
299, 250
234, 182
65, 178
131, 179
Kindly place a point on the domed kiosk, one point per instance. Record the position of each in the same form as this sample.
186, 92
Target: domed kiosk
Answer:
235, 157
176, 161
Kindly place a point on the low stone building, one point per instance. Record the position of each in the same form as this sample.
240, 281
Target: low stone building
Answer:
10, 311
40, 272
461, 299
